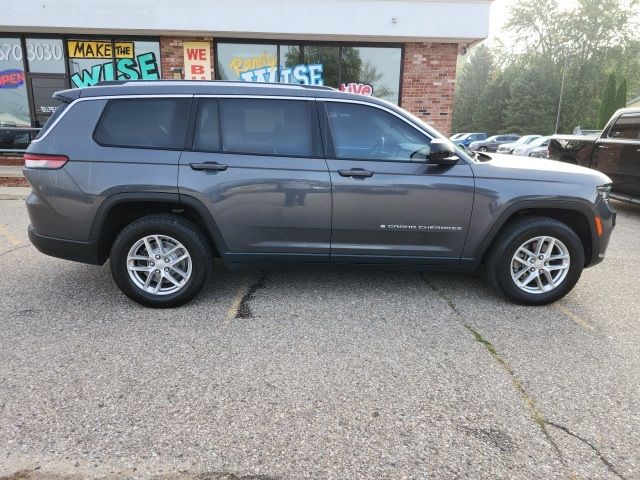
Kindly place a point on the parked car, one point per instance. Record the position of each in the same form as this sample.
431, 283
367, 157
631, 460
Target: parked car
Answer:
491, 144
616, 152
160, 177
540, 152
456, 135
526, 148
465, 139
507, 148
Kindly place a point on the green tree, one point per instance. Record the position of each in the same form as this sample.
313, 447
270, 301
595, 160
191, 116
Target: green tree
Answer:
474, 80
621, 94
608, 101
592, 37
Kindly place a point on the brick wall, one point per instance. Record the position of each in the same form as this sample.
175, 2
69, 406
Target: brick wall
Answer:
172, 54
428, 82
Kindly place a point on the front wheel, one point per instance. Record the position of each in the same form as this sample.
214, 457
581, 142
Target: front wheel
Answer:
161, 261
535, 261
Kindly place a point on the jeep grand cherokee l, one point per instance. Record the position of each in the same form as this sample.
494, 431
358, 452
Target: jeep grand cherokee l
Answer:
160, 177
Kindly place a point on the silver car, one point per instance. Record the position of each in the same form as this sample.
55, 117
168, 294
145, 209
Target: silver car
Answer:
525, 149
510, 147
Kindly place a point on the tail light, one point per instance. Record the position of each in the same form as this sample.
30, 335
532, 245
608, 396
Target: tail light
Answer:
51, 162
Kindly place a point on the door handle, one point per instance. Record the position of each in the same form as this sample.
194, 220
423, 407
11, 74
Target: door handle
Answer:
355, 172
603, 147
209, 166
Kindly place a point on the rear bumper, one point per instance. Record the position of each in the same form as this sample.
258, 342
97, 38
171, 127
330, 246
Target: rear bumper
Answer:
85, 252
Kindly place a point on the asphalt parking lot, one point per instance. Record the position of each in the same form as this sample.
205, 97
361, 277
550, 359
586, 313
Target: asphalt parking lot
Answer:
345, 374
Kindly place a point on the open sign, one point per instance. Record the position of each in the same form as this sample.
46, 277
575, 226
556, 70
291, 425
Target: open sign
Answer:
12, 78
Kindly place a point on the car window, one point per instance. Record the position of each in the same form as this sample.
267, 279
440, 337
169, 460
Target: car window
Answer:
144, 123
626, 127
206, 136
363, 132
266, 127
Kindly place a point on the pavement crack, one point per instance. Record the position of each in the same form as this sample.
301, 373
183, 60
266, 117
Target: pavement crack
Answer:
599, 454
528, 400
14, 249
244, 309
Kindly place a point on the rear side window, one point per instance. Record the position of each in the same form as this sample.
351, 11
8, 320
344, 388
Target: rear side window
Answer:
266, 127
627, 127
144, 123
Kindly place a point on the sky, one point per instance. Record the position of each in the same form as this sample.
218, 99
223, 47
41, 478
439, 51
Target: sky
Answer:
497, 18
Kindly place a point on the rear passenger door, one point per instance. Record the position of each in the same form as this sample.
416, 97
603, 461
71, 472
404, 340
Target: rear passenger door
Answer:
257, 164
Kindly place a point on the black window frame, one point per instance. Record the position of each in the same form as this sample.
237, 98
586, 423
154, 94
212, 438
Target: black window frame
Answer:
327, 135
613, 124
188, 123
317, 150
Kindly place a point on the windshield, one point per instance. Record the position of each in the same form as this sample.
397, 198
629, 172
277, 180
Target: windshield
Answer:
538, 142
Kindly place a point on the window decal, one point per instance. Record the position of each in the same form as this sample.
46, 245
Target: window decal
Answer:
11, 78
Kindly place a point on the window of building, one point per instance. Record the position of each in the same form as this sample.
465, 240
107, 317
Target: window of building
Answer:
207, 133
95, 60
356, 69
266, 127
248, 62
627, 127
372, 70
45, 55
369, 133
14, 103
144, 123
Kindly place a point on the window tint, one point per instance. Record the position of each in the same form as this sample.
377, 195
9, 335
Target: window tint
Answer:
266, 127
144, 122
207, 133
364, 132
626, 127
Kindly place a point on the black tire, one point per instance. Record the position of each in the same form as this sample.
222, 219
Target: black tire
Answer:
483, 149
514, 234
177, 228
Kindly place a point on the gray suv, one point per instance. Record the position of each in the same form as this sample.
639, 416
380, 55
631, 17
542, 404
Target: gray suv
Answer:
161, 177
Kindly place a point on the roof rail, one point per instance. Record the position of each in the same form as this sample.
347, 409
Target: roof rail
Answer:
104, 83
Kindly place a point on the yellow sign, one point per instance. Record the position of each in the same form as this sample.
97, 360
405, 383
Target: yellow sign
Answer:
99, 49
243, 64
197, 60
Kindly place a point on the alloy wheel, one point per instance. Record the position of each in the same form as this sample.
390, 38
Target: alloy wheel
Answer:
159, 264
540, 265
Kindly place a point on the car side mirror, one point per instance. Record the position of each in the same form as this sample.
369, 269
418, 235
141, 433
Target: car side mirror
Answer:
441, 152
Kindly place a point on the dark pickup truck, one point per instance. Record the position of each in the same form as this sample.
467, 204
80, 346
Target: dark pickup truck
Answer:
616, 152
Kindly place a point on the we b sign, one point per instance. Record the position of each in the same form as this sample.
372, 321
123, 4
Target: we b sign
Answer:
197, 60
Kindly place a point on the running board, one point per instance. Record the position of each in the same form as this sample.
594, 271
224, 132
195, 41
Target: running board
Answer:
625, 198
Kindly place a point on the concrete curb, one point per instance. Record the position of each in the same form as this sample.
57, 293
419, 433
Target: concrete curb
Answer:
14, 193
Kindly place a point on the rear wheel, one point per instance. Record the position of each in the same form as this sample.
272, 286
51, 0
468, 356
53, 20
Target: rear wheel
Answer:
483, 149
161, 261
535, 260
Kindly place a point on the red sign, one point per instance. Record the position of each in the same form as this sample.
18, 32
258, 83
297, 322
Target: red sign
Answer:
12, 78
360, 88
